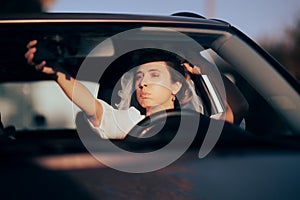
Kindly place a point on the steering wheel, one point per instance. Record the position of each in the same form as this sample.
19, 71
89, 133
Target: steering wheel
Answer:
153, 125
159, 129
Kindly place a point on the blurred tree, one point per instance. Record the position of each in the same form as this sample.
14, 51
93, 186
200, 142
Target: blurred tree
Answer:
287, 51
24, 6
17, 6
294, 50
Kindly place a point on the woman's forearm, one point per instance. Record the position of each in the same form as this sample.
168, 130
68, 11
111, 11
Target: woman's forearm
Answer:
81, 96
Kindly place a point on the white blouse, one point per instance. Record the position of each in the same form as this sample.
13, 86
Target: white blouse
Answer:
116, 124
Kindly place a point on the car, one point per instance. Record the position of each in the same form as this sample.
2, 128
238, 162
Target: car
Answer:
49, 150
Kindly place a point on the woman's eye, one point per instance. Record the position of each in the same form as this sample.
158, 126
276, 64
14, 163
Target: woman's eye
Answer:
154, 75
137, 77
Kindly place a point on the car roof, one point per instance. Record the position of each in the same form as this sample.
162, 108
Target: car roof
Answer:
179, 18
13, 61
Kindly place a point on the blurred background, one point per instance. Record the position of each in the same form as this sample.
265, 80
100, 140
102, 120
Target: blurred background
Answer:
274, 24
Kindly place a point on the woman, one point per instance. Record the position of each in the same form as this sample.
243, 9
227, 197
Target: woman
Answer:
158, 83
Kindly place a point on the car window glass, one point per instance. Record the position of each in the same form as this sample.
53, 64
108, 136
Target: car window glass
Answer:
37, 105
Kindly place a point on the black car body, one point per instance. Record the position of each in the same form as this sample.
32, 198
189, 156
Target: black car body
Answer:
43, 156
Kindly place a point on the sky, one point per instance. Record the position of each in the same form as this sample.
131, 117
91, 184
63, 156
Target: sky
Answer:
257, 18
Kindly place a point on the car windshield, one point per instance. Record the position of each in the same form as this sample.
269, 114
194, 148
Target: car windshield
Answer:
31, 100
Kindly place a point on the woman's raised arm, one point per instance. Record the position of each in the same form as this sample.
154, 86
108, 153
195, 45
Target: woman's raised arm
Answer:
81, 96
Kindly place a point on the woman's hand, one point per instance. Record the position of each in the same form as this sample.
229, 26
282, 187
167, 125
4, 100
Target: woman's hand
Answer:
29, 55
193, 69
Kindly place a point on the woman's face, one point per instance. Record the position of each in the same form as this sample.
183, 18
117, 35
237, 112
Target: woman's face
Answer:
154, 89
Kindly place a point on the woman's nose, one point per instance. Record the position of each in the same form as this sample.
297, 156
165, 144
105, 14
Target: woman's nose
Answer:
143, 82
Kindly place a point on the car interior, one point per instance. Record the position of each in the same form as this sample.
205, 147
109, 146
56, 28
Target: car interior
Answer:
75, 50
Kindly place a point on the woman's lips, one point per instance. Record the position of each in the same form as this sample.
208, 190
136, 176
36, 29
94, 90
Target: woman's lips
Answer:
144, 95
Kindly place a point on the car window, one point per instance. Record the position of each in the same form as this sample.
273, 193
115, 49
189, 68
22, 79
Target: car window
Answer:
38, 105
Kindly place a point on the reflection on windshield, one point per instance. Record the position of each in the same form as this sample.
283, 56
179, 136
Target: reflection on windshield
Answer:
37, 105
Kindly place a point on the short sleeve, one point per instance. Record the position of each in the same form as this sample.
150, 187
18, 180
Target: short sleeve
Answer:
116, 124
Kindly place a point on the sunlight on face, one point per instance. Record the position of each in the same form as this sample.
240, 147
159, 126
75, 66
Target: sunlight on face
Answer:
154, 88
